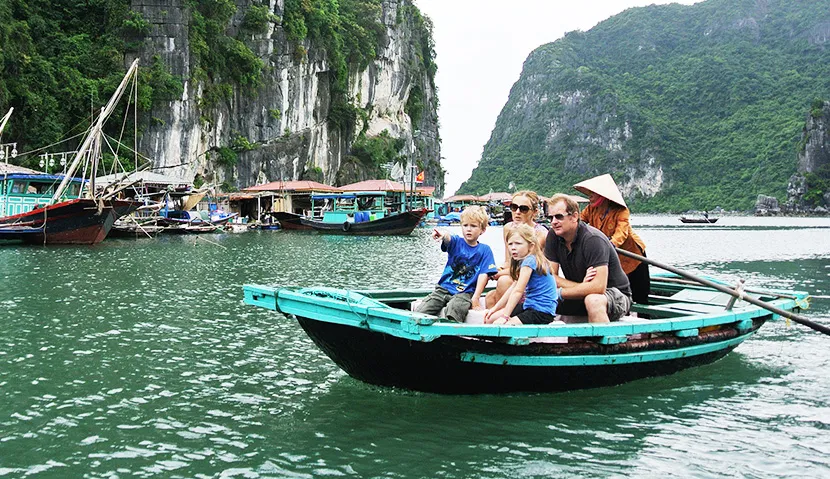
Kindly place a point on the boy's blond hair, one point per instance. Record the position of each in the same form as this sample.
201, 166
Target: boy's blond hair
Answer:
476, 214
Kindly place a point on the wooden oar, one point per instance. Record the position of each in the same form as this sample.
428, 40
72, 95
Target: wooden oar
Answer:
737, 294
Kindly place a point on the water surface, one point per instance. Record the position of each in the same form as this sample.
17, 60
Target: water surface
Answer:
137, 358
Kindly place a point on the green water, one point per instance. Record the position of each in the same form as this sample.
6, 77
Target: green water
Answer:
139, 359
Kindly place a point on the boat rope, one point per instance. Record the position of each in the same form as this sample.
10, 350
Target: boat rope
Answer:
37, 150
211, 242
365, 318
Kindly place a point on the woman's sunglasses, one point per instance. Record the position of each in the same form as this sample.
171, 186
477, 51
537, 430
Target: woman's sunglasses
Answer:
522, 208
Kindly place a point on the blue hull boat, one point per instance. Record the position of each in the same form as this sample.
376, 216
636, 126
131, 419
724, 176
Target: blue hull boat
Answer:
375, 337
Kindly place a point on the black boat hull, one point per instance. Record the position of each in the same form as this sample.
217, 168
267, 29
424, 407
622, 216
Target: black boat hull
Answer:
699, 220
397, 224
436, 366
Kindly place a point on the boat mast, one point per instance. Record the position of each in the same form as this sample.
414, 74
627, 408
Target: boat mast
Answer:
94, 133
5, 120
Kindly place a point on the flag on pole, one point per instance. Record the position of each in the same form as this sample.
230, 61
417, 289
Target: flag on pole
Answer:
419, 178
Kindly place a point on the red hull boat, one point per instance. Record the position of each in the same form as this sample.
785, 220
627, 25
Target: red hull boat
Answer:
77, 221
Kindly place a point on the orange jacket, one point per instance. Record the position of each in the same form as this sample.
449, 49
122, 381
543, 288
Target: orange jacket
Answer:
615, 225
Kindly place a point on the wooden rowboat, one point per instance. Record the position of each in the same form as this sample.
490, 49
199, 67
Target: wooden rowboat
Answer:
701, 220
376, 338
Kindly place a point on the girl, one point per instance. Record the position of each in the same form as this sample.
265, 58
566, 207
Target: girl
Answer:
533, 297
524, 206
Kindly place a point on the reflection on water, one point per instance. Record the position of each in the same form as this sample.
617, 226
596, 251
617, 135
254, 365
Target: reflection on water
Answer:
138, 358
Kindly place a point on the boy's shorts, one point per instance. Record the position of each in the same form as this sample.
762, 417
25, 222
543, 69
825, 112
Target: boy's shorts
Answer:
458, 305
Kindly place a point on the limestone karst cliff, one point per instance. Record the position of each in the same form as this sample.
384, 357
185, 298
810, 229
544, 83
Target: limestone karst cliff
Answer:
279, 125
689, 107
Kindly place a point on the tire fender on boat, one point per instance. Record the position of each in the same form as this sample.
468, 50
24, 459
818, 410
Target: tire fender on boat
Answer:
346, 226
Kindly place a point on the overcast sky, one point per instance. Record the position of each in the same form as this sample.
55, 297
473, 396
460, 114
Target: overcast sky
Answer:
480, 47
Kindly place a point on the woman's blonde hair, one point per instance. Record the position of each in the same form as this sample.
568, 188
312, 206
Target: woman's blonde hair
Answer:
531, 195
529, 235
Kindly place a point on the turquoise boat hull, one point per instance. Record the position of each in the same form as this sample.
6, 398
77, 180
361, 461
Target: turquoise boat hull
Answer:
374, 337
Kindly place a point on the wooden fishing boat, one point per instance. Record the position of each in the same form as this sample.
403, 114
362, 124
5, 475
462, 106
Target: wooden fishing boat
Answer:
701, 220
395, 224
376, 338
40, 208
28, 212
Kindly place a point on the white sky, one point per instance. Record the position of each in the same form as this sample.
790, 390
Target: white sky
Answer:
480, 47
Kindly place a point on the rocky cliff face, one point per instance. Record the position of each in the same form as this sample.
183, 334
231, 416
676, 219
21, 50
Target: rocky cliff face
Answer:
283, 122
806, 191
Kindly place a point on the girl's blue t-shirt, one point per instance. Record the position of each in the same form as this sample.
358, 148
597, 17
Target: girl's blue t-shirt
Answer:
540, 293
464, 264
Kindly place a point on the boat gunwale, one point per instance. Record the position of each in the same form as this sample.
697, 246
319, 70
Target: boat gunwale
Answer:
382, 318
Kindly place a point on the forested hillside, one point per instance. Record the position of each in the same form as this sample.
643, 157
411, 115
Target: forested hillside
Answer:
689, 107
232, 92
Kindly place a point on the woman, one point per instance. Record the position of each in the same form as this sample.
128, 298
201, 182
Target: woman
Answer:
524, 206
607, 212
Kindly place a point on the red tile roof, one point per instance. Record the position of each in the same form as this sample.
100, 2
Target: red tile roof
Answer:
302, 185
375, 185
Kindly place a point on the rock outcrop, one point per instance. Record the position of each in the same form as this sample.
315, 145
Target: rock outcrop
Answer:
767, 206
279, 129
807, 189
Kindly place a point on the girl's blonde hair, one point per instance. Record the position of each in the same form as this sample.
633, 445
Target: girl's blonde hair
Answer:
528, 234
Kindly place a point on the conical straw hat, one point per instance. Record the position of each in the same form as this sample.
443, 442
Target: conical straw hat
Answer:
604, 186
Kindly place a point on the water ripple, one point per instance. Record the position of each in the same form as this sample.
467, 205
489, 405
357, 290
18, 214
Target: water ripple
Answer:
138, 358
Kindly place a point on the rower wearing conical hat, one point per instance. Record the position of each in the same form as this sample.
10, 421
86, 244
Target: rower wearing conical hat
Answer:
607, 212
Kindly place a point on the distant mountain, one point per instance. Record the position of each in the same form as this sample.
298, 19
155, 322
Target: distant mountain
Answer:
688, 107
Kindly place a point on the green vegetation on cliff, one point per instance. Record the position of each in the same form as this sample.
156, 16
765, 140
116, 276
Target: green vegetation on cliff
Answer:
57, 57
713, 95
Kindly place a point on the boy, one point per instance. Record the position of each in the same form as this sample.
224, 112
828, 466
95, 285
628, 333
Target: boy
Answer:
469, 266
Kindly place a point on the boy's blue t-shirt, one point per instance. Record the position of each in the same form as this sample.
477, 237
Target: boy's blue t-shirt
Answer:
540, 293
464, 264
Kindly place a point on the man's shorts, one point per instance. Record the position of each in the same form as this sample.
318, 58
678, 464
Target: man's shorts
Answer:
619, 304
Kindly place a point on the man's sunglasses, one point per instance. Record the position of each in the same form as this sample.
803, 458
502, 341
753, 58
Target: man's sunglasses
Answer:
559, 216
522, 208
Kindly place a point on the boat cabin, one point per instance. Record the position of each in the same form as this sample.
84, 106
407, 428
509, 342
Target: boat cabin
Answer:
356, 207
22, 192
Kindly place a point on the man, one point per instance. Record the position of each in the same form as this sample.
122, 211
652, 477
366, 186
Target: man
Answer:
594, 283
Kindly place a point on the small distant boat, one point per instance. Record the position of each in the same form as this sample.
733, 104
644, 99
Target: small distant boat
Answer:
130, 227
187, 229
195, 218
375, 337
236, 227
702, 220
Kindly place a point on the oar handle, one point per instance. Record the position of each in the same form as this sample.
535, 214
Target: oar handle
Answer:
749, 299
